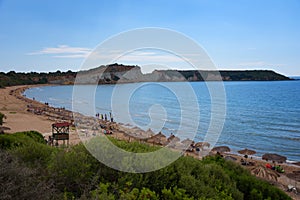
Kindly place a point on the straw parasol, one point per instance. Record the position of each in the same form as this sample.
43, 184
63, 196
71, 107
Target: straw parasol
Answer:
3, 128
158, 139
173, 139
265, 173
247, 152
149, 132
187, 142
230, 158
221, 149
295, 175
274, 157
201, 145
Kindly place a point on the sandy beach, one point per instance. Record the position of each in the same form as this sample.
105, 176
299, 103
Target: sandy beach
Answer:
17, 117
24, 114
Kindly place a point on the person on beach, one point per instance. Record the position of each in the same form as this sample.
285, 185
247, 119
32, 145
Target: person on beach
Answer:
111, 117
101, 116
105, 117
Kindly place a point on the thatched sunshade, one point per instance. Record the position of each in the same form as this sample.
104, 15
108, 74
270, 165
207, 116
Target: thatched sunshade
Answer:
247, 152
3, 128
137, 129
201, 145
274, 157
187, 142
149, 132
173, 139
158, 139
230, 158
295, 175
265, 173
221, 149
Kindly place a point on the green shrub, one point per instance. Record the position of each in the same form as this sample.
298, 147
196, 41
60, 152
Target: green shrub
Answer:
34, 154
8, 141
36, 136
75, 173
17, 181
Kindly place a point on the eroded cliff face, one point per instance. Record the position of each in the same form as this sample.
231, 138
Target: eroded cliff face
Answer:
116, 73
110, 74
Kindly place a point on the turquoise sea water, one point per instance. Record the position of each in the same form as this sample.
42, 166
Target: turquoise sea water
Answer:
264, 116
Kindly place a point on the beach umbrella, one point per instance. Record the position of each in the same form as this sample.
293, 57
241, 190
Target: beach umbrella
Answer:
247, 152
230, 158
3, 128
295, 175
162, 138
221, 149
265, 173
187, 142
158, 139
136, 129
201, 145
173, 139
149, 132
274, 157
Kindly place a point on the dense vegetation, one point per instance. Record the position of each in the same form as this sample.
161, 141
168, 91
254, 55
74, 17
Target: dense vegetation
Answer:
18, 78
114, 72
32, 170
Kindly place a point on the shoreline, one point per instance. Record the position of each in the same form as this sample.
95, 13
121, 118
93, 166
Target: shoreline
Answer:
40, 117
234, 149
60, 115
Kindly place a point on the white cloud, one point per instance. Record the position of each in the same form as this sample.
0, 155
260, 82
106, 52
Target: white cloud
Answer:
64, 51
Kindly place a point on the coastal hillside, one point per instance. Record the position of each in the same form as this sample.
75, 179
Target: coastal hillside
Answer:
73, 173
114, 73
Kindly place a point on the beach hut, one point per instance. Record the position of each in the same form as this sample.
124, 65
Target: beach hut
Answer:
274, 157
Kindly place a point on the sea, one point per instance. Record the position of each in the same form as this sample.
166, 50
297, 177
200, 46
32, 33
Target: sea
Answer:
260, 115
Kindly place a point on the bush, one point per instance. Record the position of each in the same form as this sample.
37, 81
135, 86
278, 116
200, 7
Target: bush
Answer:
20, 182
74, 173
9, 141
34, 154
36, 136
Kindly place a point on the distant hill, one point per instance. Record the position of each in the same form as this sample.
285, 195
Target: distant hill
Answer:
113, 73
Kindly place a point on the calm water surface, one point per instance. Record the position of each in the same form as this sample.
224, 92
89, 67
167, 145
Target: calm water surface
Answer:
264, 116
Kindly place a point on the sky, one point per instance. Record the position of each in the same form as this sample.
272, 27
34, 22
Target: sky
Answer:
52, 35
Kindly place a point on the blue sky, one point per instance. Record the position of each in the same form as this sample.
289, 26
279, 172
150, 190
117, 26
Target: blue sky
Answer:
247, 34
